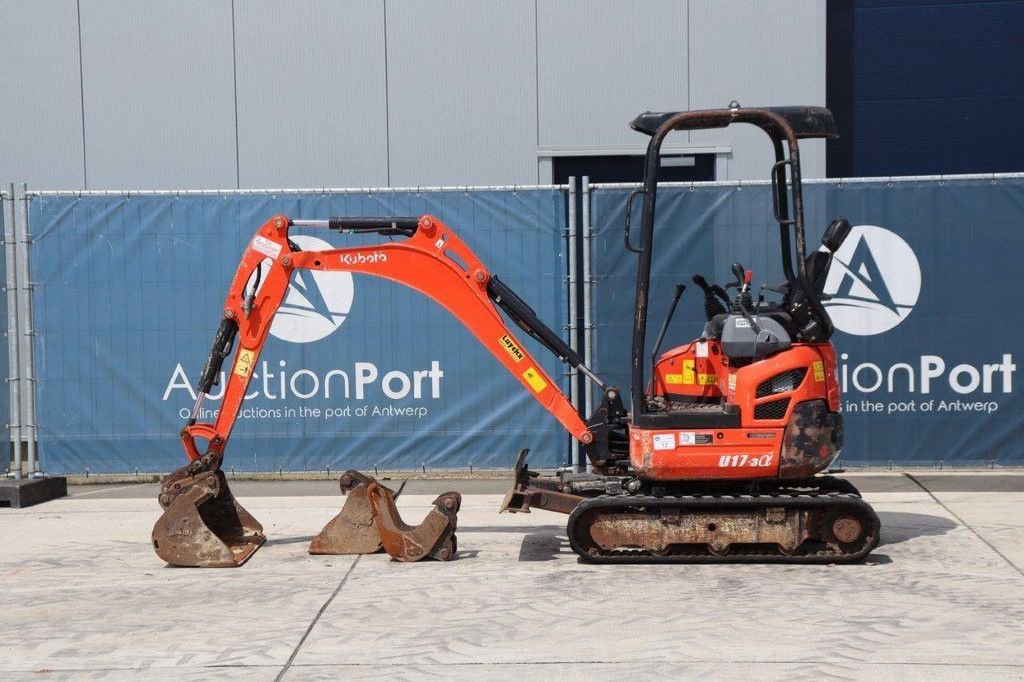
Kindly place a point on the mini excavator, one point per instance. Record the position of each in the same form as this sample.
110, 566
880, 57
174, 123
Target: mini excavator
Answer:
719, 458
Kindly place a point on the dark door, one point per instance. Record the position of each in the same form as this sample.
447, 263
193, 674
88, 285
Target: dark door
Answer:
678, 168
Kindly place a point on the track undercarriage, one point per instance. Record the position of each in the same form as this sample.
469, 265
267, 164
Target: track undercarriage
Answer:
619, 520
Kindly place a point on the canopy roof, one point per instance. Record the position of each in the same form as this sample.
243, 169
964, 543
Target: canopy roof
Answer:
806, 121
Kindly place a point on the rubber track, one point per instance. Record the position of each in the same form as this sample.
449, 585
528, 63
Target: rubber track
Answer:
826, 500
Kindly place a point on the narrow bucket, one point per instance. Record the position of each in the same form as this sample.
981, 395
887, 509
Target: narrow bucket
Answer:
434, 537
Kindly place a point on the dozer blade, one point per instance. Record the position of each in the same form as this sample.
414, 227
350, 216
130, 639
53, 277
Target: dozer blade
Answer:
203, 525
352, 531
517, 499
434, 537
529, 490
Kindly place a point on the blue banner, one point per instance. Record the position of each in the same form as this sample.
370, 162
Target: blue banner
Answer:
130, 290
922, 290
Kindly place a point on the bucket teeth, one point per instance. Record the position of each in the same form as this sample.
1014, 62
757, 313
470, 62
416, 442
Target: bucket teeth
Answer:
369, 521
203, 525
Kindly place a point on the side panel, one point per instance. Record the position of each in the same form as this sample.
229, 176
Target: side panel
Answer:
691, 371
773, 396
699, 454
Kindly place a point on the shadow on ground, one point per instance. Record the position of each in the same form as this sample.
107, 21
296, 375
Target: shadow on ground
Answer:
899, 527
294, 540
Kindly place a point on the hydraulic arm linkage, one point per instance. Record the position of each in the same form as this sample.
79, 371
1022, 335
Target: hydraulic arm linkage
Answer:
432, 260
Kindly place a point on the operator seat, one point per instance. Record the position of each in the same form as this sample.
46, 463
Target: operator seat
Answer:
793, 313
818, 263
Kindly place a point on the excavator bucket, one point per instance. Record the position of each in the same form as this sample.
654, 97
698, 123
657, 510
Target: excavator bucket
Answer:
369, 521
434, 537
352, 531
203, 525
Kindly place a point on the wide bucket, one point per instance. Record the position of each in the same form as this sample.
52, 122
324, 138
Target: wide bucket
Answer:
352, 530
203, 525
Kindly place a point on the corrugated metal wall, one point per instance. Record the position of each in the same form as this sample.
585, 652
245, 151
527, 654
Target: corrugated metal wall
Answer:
200, 94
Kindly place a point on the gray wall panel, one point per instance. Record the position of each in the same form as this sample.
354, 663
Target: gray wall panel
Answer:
758, 53
462, 92
41, 105
311, 94
159, 94
602, 63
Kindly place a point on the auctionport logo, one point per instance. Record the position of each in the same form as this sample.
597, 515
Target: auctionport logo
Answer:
874, 281
316, 302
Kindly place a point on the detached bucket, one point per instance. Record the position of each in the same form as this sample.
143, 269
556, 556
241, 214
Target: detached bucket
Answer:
434, 537
369, 521
203, 525
352, 531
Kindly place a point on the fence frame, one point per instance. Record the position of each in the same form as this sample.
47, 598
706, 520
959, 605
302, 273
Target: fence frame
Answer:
579, 238
14, 460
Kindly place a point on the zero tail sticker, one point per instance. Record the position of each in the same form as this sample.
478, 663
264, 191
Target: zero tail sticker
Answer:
694, 438
511, 348
535, 380
244, 363
266, 246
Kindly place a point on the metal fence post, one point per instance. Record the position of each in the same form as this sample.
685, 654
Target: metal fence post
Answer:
574, 388
28, 393
588, 283
13, 380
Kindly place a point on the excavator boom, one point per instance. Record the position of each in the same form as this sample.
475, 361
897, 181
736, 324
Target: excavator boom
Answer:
204, 525
432, 260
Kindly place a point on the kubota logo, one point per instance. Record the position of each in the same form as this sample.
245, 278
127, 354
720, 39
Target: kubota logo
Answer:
363, 259
874, 281
316, 302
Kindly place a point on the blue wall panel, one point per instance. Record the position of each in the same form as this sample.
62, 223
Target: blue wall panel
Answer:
923, 87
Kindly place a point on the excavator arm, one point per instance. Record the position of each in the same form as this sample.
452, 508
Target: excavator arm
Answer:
432, 260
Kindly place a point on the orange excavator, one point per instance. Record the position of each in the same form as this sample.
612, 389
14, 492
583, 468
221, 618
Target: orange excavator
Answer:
717, 459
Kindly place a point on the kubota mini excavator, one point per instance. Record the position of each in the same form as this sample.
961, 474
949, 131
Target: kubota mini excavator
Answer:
716, 460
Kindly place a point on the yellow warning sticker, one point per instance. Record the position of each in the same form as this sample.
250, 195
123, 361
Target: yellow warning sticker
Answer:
511, 348
243, 365
707, 379
689, 372
535, 380
819, 370
673, 378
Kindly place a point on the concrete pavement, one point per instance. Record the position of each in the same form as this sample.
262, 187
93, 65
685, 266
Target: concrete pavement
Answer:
84, 597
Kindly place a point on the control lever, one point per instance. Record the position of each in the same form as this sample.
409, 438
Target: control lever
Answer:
743, 299
720, 292
740, 275
712, 306
680, 288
